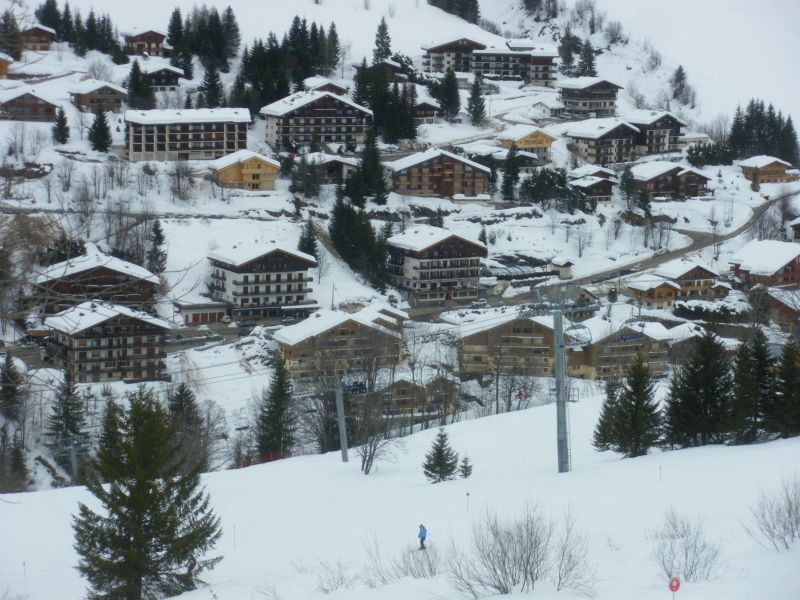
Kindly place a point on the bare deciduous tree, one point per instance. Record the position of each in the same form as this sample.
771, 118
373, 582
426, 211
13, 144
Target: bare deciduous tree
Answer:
64, 172
681, 549
571, 568
776, 516
181, 180
99, 69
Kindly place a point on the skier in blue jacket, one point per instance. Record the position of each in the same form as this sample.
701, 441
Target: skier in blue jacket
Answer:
423, 533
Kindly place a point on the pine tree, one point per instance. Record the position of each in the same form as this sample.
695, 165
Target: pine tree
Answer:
189, 429
643, 201
410, 98
67, 25
140, 92
678, 84
510, 174
637, 419
627, 186
476, 105
754, 390
212, 89
308, 239
156, 259
371, 166
66, 424
156, 524
111, 435
10, 42
441, 461
787, 147
333, 52
100, 131
603, 438
698, 405
449, 99
465, 468
783, 416
737, 138
233, 37
175, 29
18, 465
276, 425
10, 389
755, 182
60, 128
383, 43
482, 235
361, 84
48, 15
586, 64
567, 66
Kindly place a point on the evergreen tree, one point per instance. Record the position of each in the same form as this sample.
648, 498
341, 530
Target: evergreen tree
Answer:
410, 100
308, 239
156, 525
637, 419
482, 235
100, 131
10, 42
755, 182
60, 128
449, 98
643, 201
567, 66
441, 461
383, 43
698, 405
627, 186
212, 89
189, 429
140, 92
67, 25
603, 438
361, 84
233, 37
111, 434
175, 29
10, 389
276, 423
586, 64
156, 259
754, 390
678, 83
465, 468
66, 424
333, 52
510, 174
18, 466
783, 416
476, 105
371, 166
48, 15
787, 147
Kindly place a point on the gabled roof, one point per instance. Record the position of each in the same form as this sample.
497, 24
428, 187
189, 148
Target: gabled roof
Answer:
39, 26
6, 58
135, 32
650, 170
8, 94
677, 268
90, 314
322, 158
644, 283
188, 115
90, 85
647, 117
242, 253
600, 328
540, 51
596, 128
421, 237
789, 298
297, 100
548, 101
325, 320
590, 181
419, 157
761, 161
532, 46
240, 156
433, 46
590, 170
520, 131
316, 82
154, 67
765, 257
491, 321
94, 259
582, 83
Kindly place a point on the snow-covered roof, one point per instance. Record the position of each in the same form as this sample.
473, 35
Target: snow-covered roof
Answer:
325, 319
90, 85
679, 267
589, 170
581, 83
589, 181
789, 298
645, 282
646, 117
6, 58
420, 237
241, 253
595, 128
134, 31
517, 132
153, 67
8, 94
322, 158
188, 115
92, 313
315, 82
239, 156
548, 101
532, 46
420, 157
601, 327
540, 51
765, 257
448, 41
648, 170
92, 260
297, 100
487, 150
761, 161
40, 26
490, 320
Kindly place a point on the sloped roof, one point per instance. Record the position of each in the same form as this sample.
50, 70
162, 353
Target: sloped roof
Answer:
761, 161
322, 158
153, 67
239, 156
679, 267
325, 320
301, 99
540, 51
89, 314
447, 41
242, 253
90, 85
420, 237
589, 181
648, 170
492, 321
91, 260
644, 283
646, 117
420, 157
595, 128
582, 83
8, 94
188, 115
315, 82
765, 257
517, 132
6, 58
536, 48
589, 170
40, 26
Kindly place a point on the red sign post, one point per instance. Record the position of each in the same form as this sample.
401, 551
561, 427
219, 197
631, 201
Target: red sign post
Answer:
674, 585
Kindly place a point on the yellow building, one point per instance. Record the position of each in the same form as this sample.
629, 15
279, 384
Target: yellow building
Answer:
246, 170
528, 138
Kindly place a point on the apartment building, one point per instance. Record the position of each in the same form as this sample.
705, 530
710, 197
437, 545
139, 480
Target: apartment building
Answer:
437, 172
185, 134
585, 97
535, 65
99, 342
662, 179
431, 265
299, 119
659, 131
603, 141
453, 54
245, 169
90, 94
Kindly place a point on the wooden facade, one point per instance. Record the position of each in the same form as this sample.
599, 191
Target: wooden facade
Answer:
425, 112
454, 54
536, 141
596, 189
37, 38
162, 79
519, 346
654, 294
251, 172
594, 98
677, 182
610, 357
615, 145
106, 98
5, 63
657, 134
438, 173
696, 282
26, 106
151, 43
771, 172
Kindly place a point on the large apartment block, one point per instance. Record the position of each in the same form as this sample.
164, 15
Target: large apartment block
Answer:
262, 280
437, 172
431, 265
585, 97
659, 131
106, 342
303, 117
603, 141
535, 65
453, 54
186, 134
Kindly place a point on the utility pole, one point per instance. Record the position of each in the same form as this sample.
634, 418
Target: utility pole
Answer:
341, 421
562, 435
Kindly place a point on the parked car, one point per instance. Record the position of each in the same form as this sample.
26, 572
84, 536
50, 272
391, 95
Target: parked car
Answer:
226, 319
480, 303
288, 320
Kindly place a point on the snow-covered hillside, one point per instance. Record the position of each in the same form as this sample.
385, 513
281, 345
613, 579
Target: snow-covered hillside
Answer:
288, 523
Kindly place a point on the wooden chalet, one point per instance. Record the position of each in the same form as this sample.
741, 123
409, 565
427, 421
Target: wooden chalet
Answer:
246, 170
323, 84
668, 180
99, 342
431, 265
91, 94
768, 263
769, 169
23, 103
163, 78
454, 54
591, 171
437, 172
528, 138
37, 38
596, 189
332, 168
603, 141
426, 112
5, 62
303, 117
150, 43
585, 97
652, 291
695, 280
784, 308
659, 131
